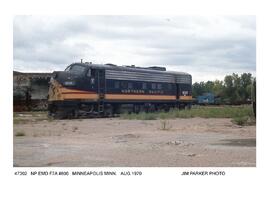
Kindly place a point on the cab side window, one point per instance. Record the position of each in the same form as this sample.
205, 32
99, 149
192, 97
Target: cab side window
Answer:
89, 73
93, 73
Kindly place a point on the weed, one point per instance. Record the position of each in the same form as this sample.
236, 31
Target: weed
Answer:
165, 125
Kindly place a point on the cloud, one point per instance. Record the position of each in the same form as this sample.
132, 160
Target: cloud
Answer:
213, 45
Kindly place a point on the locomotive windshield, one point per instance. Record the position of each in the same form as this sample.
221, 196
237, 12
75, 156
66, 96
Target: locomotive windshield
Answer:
76, 69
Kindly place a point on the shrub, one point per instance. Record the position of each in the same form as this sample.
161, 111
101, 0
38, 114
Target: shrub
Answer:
243, 121
240, 120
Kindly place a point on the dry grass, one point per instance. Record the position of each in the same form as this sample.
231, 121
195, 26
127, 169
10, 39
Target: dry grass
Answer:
244, 111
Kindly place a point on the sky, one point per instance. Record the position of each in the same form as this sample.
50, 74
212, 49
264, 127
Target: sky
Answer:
207, 47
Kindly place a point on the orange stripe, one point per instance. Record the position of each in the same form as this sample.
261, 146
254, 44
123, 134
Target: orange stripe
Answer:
139, 97
122, 96
185, 97
80, 96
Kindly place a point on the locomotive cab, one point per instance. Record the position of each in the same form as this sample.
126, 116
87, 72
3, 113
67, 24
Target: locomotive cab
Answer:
81, 73
75, 76
71, 86
76, 69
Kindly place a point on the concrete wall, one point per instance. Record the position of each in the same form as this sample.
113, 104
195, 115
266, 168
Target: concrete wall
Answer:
30, 90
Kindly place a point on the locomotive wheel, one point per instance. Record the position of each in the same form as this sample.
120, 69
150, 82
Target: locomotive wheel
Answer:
60, 115
75, 113
109, 111
55, 113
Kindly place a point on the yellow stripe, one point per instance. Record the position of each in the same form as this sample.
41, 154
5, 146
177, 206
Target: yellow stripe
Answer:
66, 90
185, 97
59, 93
138, 97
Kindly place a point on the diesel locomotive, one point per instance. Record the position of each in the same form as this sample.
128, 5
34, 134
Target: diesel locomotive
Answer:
86, 89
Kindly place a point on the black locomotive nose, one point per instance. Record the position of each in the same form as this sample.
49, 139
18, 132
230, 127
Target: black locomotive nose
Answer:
60, 75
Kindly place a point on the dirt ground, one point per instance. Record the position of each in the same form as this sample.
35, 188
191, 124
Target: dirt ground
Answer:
133, 143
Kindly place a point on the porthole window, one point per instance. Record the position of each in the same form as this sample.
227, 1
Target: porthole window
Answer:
144, 86
130, 86
116, 84
123, 84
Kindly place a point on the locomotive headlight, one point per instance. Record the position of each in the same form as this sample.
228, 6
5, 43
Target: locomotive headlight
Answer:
69, 83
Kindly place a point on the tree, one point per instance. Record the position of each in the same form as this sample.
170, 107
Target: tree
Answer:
246, 84
234, 89
197, 89
229, 88
218, 88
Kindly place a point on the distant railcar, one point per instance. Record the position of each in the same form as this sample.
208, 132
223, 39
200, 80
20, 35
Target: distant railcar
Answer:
206, 99
104, 90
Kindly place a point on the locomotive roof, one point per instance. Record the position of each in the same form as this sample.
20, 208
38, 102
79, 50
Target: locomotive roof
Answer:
153, 69
149, 74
